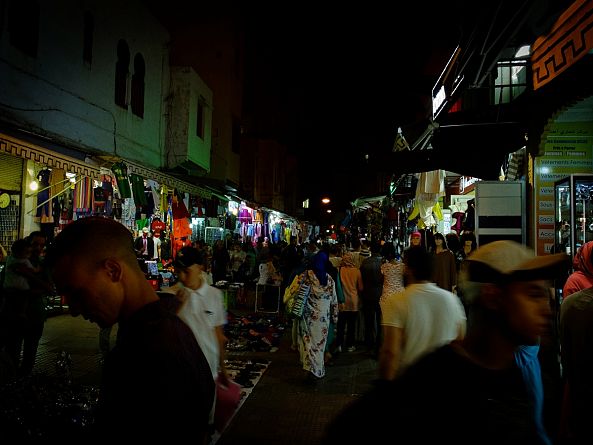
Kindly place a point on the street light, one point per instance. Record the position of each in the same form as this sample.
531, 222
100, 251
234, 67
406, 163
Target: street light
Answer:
325, 200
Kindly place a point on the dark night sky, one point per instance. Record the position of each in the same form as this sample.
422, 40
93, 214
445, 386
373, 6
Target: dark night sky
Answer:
335, 82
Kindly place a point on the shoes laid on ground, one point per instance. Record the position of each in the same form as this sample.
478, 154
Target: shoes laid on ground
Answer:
352, 349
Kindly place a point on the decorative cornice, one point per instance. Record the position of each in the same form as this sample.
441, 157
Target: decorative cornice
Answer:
570, 39
49, 158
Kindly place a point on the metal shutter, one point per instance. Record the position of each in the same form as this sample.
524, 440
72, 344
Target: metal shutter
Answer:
11, 173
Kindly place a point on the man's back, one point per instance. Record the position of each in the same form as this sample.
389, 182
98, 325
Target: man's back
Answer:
155, 376
429, 316
372, 278
444, 397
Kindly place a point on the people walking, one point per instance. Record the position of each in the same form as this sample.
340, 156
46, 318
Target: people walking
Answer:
321, 309
202, 309
347, 319
419, 320
474, 390
372, 282
23, 314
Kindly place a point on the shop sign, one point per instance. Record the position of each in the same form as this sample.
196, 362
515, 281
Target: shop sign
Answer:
546, 220
567, 150
545, 234
447, 84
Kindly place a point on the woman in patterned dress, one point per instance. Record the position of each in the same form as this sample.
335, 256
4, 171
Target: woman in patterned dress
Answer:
393, 272
321, 308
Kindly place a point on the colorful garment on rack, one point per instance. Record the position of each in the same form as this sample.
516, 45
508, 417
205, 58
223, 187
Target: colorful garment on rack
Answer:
181, 234
164, 199
179, 209
138, 190
156, 195
83, 194
57, 181
120, 170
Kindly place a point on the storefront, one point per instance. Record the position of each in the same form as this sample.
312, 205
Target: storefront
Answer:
45, 190
562, 147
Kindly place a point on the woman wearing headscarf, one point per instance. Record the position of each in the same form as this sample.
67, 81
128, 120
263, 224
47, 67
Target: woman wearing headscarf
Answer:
320, 309
582, 277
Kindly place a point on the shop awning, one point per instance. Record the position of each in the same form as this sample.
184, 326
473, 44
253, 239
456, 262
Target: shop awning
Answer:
218, 193
185, 184
50, 158
477, 150
367, 202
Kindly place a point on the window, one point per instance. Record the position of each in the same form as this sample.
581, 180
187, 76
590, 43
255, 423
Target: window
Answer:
23, 26
121, 74
138, 86
200, 118
87, 44
511, 77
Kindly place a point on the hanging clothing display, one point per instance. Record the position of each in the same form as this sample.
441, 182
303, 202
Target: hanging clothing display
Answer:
430, 187
43, 197
83, 195
138, 190
57, 181
120, 170
178, 208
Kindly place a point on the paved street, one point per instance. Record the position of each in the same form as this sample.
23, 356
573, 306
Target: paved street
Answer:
282, 408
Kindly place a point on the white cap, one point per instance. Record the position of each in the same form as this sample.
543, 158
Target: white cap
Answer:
508, 260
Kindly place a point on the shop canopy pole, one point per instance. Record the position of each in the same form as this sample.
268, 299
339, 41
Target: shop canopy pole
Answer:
48, 200
49, 186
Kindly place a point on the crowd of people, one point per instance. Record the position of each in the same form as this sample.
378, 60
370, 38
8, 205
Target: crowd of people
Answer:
455, 329
25, 283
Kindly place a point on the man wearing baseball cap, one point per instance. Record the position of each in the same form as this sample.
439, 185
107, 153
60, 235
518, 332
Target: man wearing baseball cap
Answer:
485, 388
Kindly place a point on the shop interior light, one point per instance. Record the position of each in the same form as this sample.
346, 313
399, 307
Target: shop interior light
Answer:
34, 185
329, 210
325, 200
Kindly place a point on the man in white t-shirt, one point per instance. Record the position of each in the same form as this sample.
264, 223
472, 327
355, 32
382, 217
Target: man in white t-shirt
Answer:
421, 319
202, 309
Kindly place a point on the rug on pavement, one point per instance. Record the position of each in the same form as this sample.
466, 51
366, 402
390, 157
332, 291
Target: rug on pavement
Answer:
247, 373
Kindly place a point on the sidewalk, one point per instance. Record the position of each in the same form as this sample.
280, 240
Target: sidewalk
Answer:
282, 408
